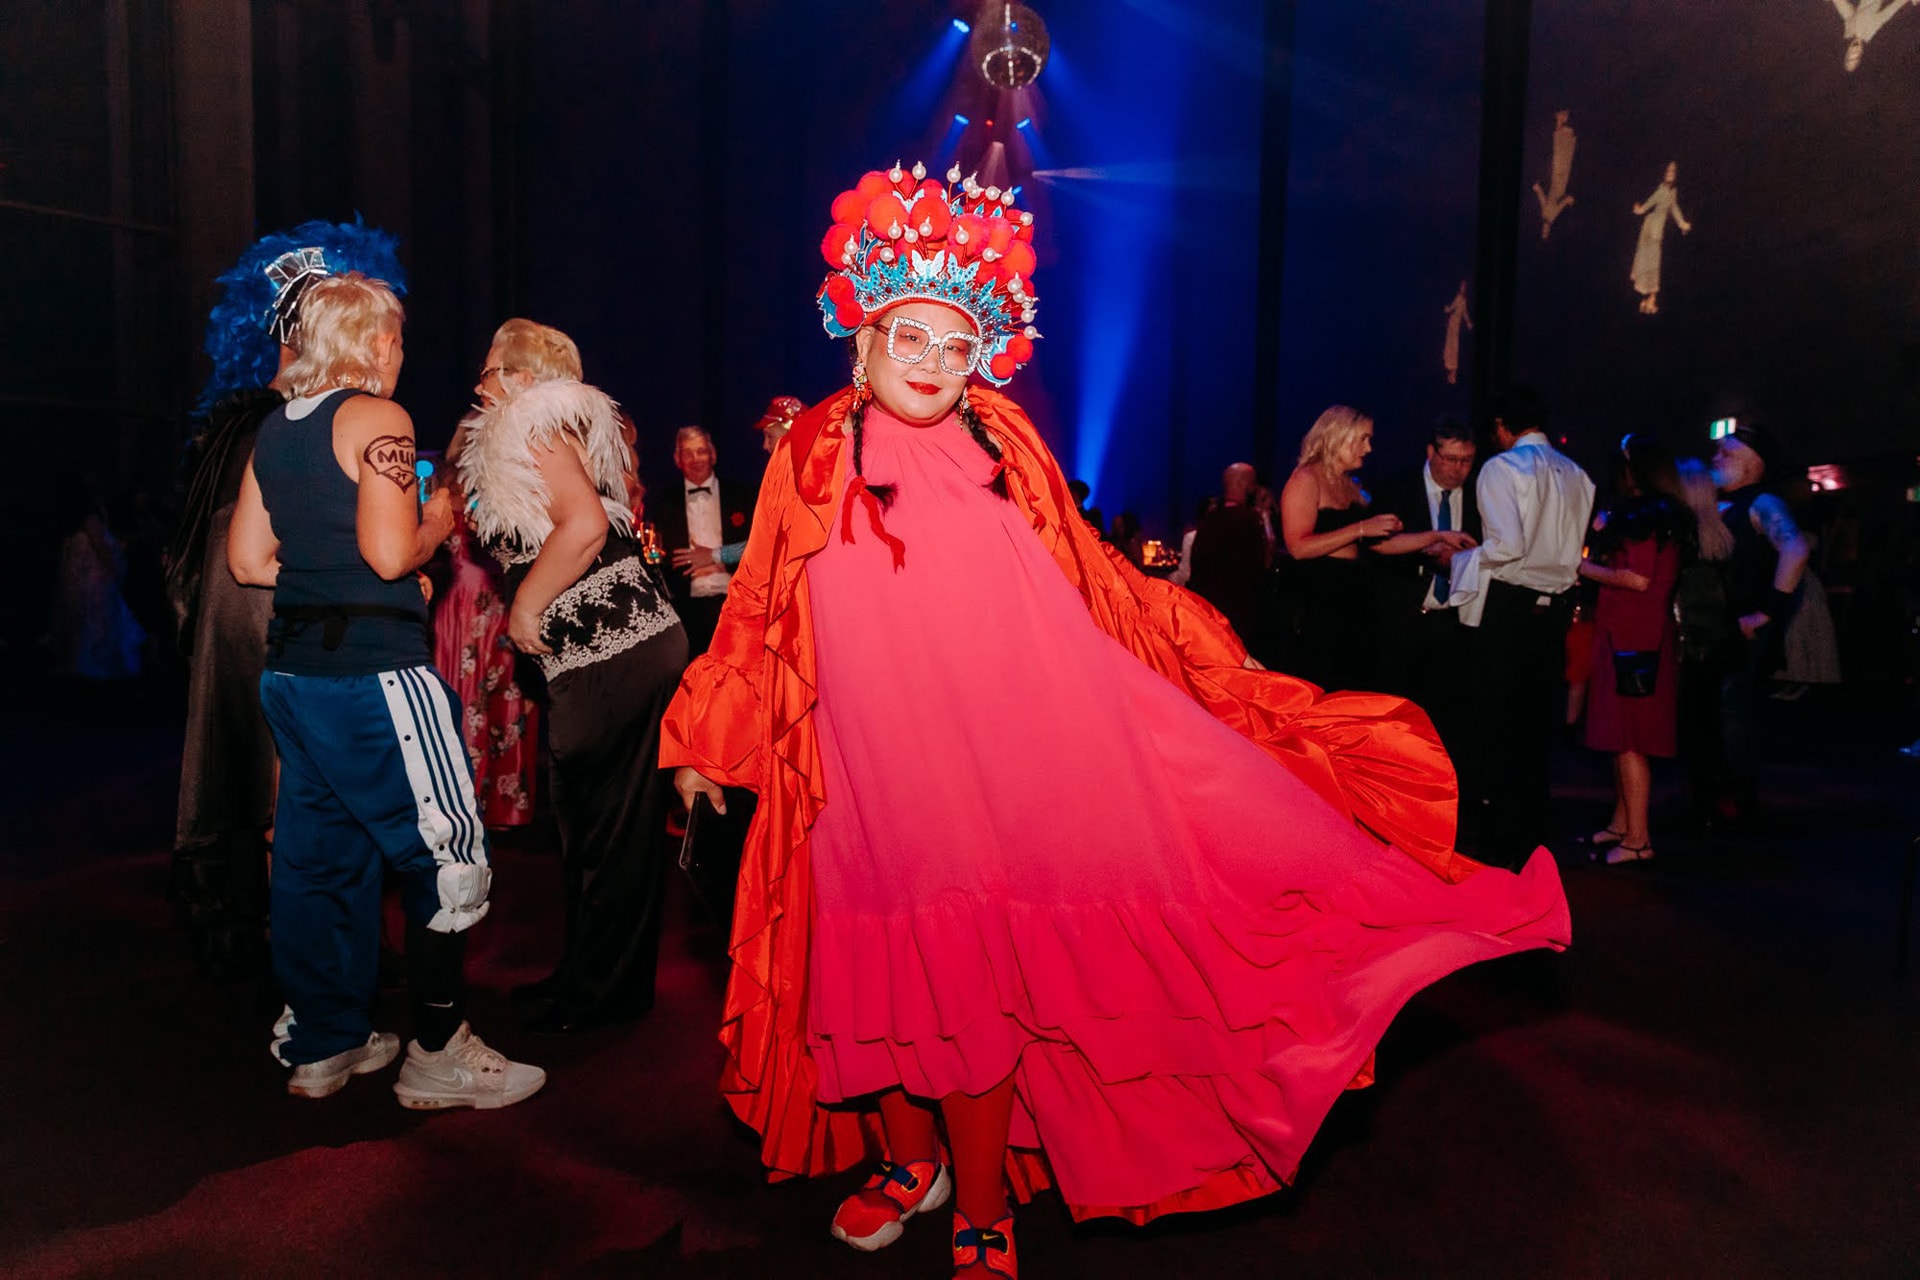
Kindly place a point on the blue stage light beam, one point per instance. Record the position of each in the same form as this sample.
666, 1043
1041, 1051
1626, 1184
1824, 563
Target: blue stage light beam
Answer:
919, 97
1124, 228
949, 146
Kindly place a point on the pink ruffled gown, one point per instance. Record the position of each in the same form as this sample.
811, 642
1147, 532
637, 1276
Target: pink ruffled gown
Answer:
1039, 857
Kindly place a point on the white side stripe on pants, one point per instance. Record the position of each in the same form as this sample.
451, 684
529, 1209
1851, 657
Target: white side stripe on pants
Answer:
445, 809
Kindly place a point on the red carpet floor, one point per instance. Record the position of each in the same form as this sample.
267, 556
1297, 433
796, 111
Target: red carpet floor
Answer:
1722, 1078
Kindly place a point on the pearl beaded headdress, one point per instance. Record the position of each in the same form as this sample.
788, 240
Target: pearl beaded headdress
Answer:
901, 236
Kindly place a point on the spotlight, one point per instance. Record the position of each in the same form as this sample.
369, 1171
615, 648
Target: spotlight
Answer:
1009, 45
960, 25
1024, 123
960, 119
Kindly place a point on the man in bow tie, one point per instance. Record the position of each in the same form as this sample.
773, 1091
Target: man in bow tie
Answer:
697, 517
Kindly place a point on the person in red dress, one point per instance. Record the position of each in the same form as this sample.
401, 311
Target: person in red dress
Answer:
1635, 554
499, 724
1048, 881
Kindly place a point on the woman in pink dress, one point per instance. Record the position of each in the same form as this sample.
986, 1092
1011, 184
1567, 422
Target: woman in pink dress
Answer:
1048, 881
1635, 555
500, 724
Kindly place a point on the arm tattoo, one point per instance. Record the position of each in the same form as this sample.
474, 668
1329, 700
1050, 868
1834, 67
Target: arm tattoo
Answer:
1775, 520
392, 457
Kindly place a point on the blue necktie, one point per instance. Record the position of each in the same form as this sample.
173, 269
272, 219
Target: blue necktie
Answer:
1443, 577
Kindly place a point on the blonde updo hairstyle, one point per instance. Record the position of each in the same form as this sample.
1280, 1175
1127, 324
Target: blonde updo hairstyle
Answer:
539, 350
333, 336
1330, 435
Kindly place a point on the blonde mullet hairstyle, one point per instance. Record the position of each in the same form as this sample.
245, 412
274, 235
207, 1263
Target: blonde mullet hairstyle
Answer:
332, 339
1330, 434
527, 346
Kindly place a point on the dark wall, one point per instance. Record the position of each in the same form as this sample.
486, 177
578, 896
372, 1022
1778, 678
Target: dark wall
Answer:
1382, 206
1794, 299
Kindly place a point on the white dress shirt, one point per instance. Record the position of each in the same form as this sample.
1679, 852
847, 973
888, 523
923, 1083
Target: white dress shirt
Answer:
1455, 501
703, 530
1534, 506
1181, 576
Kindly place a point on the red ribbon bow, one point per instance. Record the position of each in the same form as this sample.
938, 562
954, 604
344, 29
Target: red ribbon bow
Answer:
857, 488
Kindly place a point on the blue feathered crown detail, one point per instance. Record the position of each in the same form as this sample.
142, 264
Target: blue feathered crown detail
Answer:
260, 295
901, 236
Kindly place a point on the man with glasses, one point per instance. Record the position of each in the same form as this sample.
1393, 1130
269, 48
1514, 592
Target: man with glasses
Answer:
1424, 644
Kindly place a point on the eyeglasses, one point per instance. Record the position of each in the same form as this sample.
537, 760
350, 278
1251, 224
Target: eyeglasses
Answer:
909, 341
490, 370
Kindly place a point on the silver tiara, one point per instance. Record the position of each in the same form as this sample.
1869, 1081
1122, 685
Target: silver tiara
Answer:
291, 273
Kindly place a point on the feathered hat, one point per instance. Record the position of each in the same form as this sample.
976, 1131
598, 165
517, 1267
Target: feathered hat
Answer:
901, 236
261, 295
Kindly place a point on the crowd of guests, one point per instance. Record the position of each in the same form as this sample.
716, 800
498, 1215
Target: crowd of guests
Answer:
1496, 594
350, 725
898, 958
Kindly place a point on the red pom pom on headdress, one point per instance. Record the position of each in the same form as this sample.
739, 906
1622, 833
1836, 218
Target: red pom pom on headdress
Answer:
900, 236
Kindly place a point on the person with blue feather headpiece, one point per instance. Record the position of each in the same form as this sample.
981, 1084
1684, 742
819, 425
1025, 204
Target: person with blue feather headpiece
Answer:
228, 766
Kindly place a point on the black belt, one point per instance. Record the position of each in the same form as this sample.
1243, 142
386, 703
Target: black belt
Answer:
1542, 602
333, 620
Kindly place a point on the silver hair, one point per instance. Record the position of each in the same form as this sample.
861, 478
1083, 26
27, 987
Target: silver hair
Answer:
680, 437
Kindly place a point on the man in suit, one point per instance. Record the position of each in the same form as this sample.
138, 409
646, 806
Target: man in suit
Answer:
697, 517
1514, 593
1231, 548
1425, 645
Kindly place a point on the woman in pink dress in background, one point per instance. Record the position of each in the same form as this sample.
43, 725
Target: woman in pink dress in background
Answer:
499, 723
1048, 881
1635, 554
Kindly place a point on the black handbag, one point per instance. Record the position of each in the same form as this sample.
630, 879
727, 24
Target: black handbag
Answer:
1636, 672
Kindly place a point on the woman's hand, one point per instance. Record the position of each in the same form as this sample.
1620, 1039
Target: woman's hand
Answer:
436, 517
1631, 581
1450, 541
692, 784
1381, 526
523, 628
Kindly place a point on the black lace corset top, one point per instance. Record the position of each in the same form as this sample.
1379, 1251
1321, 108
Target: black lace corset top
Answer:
618, 602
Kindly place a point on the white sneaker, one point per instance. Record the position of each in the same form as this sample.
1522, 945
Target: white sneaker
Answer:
329, 1075
464, 1074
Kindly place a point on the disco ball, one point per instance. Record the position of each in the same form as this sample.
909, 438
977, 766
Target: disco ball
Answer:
1009, 44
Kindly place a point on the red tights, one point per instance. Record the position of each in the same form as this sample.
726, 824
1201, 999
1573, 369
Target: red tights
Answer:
976, 1134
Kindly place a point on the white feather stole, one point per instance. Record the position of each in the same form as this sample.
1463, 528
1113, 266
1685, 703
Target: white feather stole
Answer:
507, 498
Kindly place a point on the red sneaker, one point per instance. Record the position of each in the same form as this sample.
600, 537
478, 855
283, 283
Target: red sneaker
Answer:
871, 1218
988, 1248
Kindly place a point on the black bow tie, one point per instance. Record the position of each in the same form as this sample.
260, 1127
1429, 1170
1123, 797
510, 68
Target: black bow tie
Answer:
700, 488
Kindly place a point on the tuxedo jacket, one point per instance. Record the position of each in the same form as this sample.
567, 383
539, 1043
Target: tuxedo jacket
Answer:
667, 508
1410, 575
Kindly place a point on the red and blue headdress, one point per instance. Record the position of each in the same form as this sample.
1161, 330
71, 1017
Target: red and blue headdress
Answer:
901, 236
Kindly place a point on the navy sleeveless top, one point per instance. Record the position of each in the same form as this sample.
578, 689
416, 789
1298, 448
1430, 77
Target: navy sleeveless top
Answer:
333, 615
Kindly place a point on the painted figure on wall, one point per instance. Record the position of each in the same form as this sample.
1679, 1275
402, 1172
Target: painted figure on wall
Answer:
1861, 21
1553, 198
1456, 314
1653, 213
